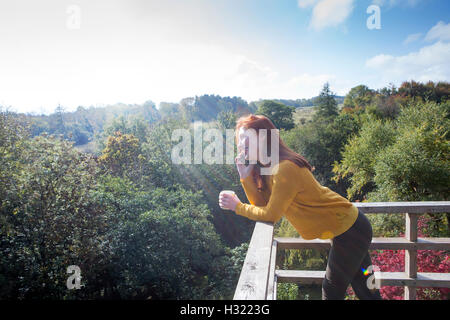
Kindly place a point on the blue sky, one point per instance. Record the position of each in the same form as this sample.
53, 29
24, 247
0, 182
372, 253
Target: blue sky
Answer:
83, 52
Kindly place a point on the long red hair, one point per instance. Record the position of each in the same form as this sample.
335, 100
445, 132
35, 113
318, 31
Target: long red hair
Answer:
258, 122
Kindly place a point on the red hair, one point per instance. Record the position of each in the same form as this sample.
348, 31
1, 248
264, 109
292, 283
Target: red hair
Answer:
258, 122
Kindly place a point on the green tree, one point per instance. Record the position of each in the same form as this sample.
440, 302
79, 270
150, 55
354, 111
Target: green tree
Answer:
359, 96
359, 156
163, 244
52, 223
123, 157
280, 114
321, 143
226, 119
326, 105
416, 167
401, 160
168, 109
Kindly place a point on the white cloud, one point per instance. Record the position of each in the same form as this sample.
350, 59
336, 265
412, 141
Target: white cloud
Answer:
429, 63
392, 3
331, 13
306, 3
253, 81
327, 13
440, 31
412, 38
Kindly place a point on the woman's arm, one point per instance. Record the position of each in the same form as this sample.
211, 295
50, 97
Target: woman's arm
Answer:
253, 195
284, 189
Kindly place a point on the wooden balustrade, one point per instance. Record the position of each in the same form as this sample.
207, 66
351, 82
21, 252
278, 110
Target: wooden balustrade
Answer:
259, 276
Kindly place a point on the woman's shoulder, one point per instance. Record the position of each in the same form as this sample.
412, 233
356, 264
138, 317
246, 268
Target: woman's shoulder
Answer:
291, 170
286, 166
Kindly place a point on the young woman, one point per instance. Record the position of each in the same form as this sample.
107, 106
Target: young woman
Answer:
315, 211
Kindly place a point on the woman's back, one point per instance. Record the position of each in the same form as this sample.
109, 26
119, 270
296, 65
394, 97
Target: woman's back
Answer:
314, 210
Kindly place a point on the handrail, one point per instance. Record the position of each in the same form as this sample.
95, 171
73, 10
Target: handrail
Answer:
252, 284
259, 277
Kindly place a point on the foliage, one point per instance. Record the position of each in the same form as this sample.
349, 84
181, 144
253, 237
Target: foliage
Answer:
168, 109
148, 163
122, 156
163, 244
359, 155
226, 120
321, 143
207, 107
52, 222
401, 160
83, 125
287, 291
59, 209
438, 92
387, 102
280, 114
326, 105
358, 96
416, 167
297, 103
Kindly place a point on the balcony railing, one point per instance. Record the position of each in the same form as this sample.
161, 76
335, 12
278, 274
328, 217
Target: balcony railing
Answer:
259, 276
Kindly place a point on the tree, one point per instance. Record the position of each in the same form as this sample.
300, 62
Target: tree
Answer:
188, 109
326, 108
52, 222
359, 96
359, 156
59, 123
123, 156
168, 109
416, 166
437, 92
130, 241
280, 114
226, 120
401, 160
321, 143
162, 242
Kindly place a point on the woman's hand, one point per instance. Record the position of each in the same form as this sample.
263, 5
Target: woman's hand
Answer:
243, 170
228, 201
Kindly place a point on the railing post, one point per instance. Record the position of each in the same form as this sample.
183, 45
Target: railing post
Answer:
253, 281
272, 283
411, 254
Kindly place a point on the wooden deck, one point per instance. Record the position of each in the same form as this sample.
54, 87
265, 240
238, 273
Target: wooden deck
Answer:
259, 276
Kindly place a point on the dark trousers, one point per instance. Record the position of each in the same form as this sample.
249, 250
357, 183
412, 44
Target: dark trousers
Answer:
347, 260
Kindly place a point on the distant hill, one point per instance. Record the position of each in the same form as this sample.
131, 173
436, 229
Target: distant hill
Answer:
298, 103
82, 125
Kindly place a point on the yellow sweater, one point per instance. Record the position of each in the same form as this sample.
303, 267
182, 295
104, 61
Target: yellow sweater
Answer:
314, 211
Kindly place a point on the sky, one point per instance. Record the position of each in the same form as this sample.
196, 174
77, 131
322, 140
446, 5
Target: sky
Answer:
99, 52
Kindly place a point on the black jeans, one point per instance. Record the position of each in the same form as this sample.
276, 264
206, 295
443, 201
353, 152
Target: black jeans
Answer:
347, 260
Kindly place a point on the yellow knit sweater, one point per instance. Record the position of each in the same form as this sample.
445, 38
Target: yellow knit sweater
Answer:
314, 211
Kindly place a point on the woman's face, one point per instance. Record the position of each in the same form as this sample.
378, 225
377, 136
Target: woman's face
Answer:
248, 143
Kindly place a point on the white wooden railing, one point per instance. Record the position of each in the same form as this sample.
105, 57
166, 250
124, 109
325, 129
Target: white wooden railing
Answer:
259, 276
